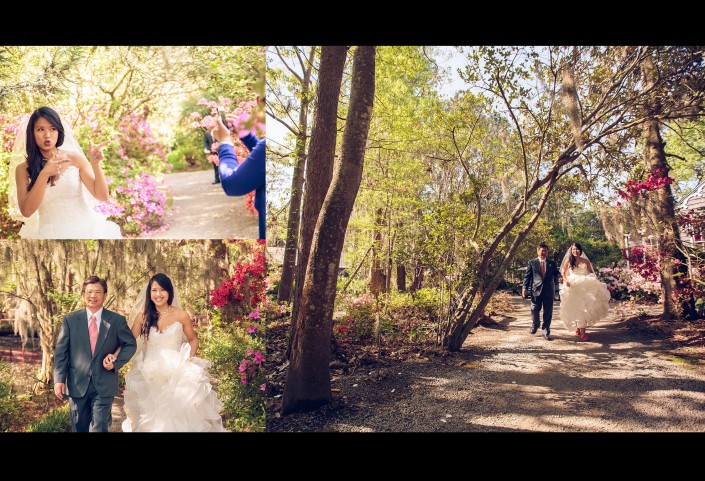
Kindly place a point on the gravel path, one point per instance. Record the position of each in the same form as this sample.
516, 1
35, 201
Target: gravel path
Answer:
203, 211
118, 414
506, 379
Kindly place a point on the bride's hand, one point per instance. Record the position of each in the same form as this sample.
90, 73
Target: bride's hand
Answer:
95, 152
567, 284
56, 165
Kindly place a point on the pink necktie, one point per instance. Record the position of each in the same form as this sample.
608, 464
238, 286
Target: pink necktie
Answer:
93, 333
543, 269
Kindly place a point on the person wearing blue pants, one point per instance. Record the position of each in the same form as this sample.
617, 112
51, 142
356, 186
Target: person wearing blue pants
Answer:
239, 179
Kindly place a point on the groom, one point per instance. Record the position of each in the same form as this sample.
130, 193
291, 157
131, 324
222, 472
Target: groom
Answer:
540, 280
86, 338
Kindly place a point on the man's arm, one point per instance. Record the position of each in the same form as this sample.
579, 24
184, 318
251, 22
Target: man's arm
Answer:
61, 359
528, 277
128, 345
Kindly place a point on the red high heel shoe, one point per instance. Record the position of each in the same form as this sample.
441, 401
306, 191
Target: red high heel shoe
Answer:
584, 337
577, 331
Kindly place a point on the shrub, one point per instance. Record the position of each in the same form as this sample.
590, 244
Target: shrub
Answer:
8, 399
361, 317
238, 295
238, 363
57, 421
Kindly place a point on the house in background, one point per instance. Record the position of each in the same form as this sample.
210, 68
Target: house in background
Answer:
695, 200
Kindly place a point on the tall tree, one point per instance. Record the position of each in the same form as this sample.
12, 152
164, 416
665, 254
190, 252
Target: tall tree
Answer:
567, 107
674, 264
47, 275
301, 78
308, 378
321, 154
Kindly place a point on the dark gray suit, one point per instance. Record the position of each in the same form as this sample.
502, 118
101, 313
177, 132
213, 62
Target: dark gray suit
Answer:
91, 386
542, 290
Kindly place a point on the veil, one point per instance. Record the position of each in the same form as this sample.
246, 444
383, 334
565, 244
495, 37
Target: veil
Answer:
138, 308
566, 258
19, 155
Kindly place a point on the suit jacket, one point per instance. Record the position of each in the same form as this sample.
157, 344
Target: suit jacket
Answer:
73, 363
534, 283
208, 140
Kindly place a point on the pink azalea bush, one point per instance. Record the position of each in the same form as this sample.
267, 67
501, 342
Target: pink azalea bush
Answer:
9, 125
358, 322
133, 163
249, 120
235, 343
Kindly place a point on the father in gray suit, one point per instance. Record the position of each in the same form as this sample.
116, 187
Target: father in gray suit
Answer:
84, 363
540, 280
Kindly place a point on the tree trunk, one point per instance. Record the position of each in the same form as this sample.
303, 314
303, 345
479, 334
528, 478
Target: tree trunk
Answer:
467, 314
662, 211
297, 183
377, 279
401, 277
417, 281
308, 379
321, 155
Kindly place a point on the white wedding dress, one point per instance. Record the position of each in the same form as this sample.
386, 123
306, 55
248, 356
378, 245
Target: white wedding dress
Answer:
585, 302
66, 214
166, 391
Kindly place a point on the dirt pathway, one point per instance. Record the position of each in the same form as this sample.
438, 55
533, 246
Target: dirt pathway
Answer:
506, 379
203, 211
118, 414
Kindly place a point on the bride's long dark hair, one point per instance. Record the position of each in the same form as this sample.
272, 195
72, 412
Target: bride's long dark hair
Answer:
35, 159
573, 259
151, 315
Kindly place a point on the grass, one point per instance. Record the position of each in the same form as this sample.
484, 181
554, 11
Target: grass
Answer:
56, 421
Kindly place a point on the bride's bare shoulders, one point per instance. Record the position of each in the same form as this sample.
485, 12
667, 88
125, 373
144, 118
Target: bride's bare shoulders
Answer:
22, 168
180, 313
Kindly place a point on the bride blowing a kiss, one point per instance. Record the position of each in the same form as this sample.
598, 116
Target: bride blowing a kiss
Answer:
57, 186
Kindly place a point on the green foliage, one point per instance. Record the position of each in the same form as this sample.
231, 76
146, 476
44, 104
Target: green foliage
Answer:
360, 320
686, 147
9, 409
187, 153
588, 232
414, 312
227, 346
56, 421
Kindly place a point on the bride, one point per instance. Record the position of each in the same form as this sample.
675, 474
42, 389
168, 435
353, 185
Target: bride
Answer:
167, 388
56, 186
584, 299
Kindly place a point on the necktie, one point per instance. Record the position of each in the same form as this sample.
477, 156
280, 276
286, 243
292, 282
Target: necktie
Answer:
543, 269
93, 333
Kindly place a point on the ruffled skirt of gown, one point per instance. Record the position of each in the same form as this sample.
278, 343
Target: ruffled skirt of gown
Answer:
585, 302
167, 391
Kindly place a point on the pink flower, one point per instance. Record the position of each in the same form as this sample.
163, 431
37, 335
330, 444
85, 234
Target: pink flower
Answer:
243, 380
252, 329
263, 387
254, 314
259, 358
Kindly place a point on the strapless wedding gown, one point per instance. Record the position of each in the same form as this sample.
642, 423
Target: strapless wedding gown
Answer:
166, 391
585, 302
65, 214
